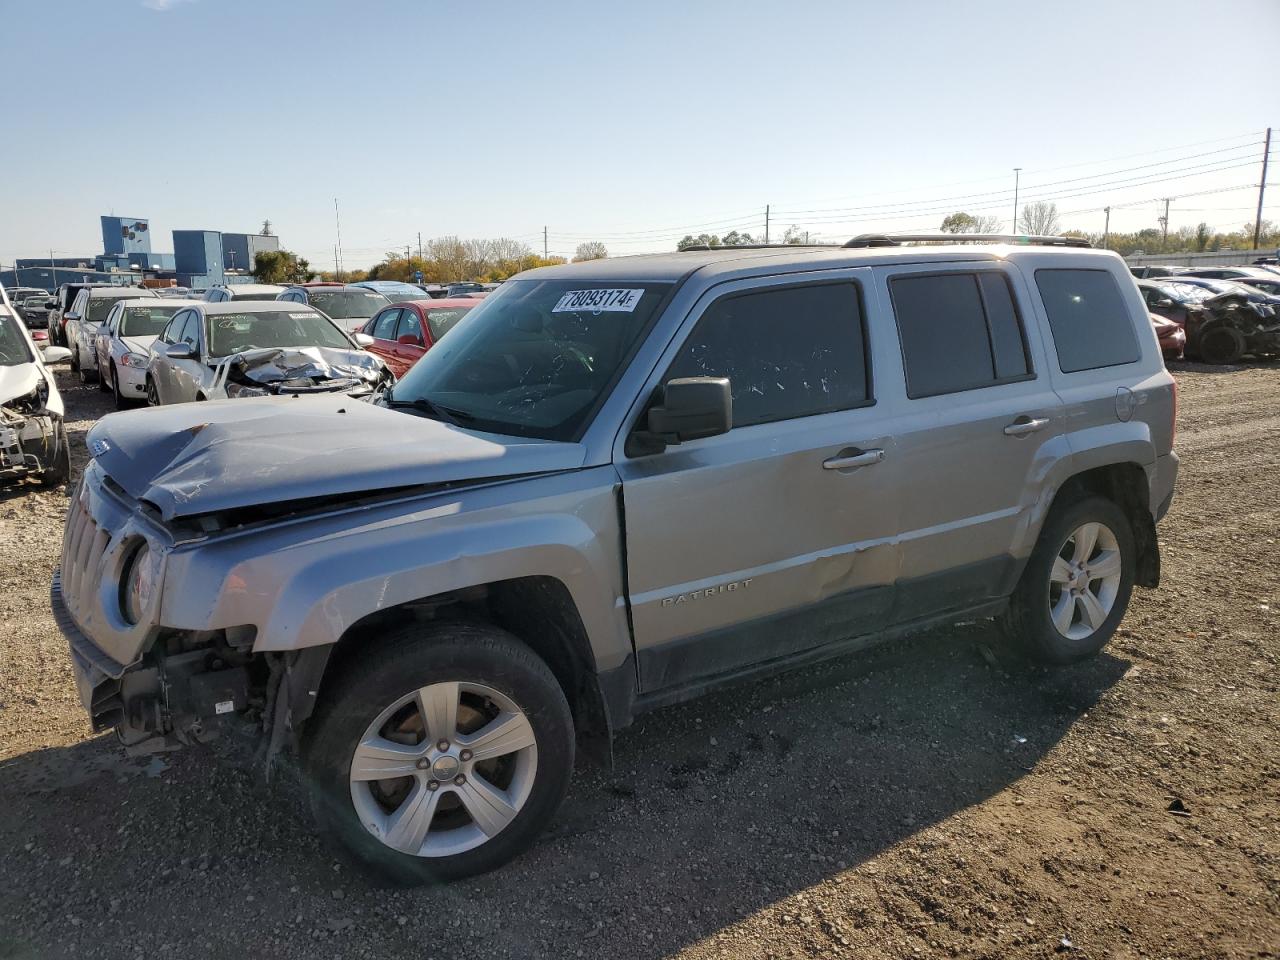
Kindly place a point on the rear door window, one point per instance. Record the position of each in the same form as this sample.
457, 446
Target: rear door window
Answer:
788, 352
958, 331
1090, 322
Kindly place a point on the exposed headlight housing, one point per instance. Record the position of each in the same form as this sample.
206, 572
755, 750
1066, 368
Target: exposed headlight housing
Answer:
138, 584
133, 360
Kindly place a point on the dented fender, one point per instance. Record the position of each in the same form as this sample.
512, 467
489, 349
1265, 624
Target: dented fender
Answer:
304, 583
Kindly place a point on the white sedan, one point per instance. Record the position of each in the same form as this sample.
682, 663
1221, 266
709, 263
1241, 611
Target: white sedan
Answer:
212, 351
123, 344
33, 438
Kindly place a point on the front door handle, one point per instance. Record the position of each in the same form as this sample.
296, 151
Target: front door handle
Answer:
1025, 425
860, 458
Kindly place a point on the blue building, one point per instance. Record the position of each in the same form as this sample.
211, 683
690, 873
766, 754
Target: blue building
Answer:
239, 249
197, 256
125, 235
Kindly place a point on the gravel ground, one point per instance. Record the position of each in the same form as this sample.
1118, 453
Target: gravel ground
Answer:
910, 802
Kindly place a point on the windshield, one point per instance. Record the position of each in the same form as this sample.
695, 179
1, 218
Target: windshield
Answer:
1188, 292
257, 295
13, 345
536, 357
442, 320
296, 327
400, 296
347, 304
100, 306
146, 321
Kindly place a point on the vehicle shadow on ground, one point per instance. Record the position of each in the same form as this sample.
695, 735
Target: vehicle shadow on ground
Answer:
714, 810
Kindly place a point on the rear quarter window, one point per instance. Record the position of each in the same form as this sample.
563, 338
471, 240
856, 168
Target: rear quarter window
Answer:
1089, 320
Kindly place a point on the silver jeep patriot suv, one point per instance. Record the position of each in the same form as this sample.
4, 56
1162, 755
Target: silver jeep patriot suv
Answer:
616, 485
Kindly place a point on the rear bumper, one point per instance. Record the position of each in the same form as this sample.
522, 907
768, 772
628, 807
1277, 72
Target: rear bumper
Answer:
1163, 480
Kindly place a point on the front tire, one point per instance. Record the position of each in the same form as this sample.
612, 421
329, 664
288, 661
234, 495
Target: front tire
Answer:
1222, 345
60, 469
153, 395
87, 374
1076, 585
442, 752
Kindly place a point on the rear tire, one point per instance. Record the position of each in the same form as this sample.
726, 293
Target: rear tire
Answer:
1222, 345
492, 680
1062, 612
87, 374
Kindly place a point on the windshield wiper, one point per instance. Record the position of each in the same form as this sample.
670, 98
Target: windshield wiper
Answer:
430, 408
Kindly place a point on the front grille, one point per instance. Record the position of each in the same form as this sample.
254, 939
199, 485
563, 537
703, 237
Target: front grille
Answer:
83, 547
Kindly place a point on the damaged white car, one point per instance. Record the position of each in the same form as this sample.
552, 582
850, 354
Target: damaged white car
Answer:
33, 439
213, 351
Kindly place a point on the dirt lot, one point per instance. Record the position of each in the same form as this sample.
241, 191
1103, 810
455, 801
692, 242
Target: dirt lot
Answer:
911, 802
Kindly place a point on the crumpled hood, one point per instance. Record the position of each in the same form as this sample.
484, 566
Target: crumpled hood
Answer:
18, 381
195, 458
300, 369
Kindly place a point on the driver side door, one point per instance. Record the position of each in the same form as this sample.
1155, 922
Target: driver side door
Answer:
779, 536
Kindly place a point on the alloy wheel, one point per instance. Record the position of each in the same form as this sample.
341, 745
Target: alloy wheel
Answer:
1084, 580
443, 769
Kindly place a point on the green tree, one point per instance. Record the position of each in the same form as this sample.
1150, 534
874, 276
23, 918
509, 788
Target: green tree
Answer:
1203, 235
281, 266
702, 240
735, 239
961, 222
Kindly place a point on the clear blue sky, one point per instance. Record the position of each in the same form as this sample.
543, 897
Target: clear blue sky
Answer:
630, 123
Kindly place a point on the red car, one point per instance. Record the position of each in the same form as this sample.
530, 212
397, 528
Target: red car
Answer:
1173, 339
404, 331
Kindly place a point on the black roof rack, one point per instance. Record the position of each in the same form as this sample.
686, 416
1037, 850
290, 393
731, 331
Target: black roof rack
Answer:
884, 240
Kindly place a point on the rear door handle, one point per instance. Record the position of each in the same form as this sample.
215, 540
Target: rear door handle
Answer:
1025, 425
863, 458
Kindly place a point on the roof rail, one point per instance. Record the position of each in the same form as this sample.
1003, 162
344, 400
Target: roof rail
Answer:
884, 240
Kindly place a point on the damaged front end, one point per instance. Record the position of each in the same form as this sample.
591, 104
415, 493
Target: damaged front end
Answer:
32, 440
279, 371
1232, 327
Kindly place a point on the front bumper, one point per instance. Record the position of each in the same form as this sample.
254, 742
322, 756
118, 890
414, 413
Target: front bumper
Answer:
97, 675
131, 380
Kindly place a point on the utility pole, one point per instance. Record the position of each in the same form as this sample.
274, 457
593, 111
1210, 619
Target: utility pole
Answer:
544, 244
766, 223
335, 261
52, 266
1262, 190
338, 223
419, 248
1106, 229
1017, 177
1164, 224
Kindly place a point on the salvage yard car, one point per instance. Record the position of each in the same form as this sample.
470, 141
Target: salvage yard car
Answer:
211, 351
617, 485
123, 344
33, 438
85, 318
349, 306
403, 333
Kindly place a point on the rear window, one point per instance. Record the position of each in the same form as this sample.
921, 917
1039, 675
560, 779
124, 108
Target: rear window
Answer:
1090, 322
959, 331
347, 304
445, 319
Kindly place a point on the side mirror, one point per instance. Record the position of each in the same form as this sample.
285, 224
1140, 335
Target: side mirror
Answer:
692, 408
1166, 303
362, 339
70, 316
179, 351
51, 304
410, 340
56, 354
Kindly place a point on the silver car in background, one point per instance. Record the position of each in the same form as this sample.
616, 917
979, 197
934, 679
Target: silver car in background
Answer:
211, 351
122, 346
